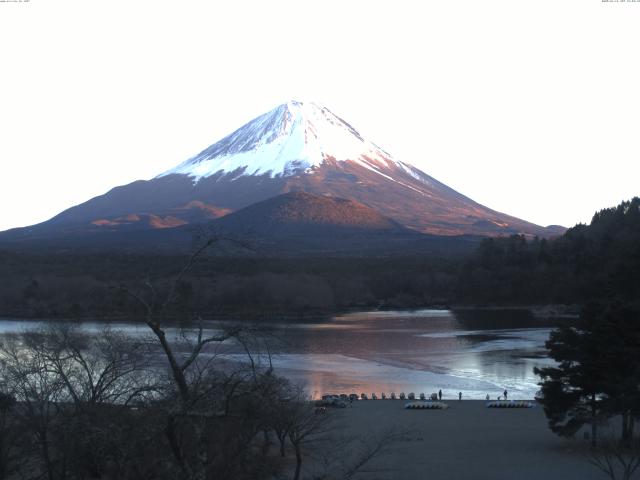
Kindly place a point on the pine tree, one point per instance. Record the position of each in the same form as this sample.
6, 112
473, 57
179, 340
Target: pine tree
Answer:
598, 371
572, 391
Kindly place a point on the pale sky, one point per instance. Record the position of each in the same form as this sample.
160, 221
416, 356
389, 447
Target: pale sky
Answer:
530, 107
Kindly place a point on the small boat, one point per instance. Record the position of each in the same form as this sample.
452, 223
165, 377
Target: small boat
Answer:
426, 405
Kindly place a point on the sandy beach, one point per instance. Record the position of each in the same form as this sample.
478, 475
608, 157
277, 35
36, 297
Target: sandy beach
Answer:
465, 441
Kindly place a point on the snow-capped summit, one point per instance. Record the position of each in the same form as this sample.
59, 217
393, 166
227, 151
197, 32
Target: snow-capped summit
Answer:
293, 137
296, 147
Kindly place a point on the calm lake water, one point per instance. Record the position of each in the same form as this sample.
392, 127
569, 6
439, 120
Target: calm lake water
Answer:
470, 351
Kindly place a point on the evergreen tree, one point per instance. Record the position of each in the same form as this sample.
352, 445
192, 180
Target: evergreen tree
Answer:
598, 371
617, 325
571, 391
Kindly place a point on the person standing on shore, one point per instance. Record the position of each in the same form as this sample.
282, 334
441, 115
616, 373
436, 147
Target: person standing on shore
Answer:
440, 394
459, 396
505, 393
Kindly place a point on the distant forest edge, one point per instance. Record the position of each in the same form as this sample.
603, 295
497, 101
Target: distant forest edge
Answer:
588, 262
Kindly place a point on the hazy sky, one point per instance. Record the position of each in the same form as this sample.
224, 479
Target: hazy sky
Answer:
528, 107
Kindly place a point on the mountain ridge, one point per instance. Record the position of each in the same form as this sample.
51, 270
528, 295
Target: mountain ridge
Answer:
295, 147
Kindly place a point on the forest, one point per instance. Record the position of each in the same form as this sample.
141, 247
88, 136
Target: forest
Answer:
599, 260
589, 261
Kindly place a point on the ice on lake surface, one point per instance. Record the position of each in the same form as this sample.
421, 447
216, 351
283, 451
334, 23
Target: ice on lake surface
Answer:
476, 352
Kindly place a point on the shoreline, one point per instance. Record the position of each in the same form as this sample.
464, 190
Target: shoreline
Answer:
544, 310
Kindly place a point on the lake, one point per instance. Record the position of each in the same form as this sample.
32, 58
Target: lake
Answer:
476, 352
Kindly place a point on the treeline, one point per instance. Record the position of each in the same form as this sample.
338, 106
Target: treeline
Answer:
85, 286
600, 260
589, 261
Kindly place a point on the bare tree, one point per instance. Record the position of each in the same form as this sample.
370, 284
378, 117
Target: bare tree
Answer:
72, 390
349, 457
365, 450
618, 460
156, 307
106, 368
204, 396
39, 395
10, 458
306, 425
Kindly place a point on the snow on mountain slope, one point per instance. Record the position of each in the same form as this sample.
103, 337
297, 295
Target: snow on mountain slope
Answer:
296, 147
291, 138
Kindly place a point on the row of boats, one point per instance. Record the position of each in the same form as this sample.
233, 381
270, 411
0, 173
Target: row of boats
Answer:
423, 403
510, 404
383, 396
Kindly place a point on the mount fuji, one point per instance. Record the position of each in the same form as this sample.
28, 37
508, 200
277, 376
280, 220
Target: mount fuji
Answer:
296, 147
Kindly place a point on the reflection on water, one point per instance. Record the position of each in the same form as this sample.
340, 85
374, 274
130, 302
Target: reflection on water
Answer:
473, 352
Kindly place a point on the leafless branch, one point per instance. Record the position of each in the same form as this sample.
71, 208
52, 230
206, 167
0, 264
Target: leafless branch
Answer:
616, 459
